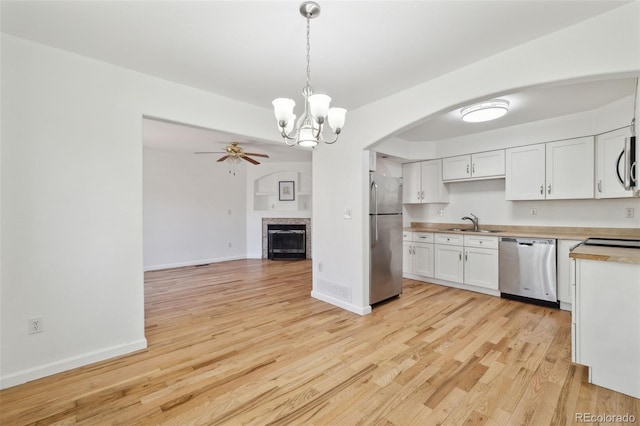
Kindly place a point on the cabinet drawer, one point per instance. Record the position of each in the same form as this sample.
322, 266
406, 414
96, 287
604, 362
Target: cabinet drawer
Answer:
423, 237
481, 241
450, 239
407, 236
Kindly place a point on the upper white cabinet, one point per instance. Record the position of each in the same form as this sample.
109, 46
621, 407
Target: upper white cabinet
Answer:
570, 169
609, 160
454, 168
525, 178
422, 183
555, 170
490, 164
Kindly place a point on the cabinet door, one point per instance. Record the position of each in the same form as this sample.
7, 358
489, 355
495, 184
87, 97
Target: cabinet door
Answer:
448, 263
609, 146
570, 169
608, 323
563, 270
411, 183
433, 190
423, 260
407, 258
486, 164
481, 267
525, 174
454, 168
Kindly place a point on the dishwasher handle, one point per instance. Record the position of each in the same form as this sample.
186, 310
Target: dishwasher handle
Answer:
527, 241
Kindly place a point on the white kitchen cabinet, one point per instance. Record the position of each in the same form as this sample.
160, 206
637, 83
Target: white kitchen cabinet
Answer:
411, 183
423, 264
525, 174
555, 170
563, 272
422, 183
481, 261
418, 255
609, 146
467, 259
607, 323
448, 263
458, 167
407, 258
481, 267
488, 164
570, 169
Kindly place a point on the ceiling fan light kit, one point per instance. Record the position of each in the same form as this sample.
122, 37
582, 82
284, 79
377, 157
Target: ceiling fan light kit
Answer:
234, 153
485, 111
309, 129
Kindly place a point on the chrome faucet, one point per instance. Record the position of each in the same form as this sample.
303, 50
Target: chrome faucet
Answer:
473, 219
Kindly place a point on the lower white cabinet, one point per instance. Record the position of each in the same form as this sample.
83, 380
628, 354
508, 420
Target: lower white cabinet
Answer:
481, 267
472, 260
607, 323
563, 272
448, 263
417, 256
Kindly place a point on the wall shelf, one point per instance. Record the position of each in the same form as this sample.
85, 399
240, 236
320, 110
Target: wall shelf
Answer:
265, 192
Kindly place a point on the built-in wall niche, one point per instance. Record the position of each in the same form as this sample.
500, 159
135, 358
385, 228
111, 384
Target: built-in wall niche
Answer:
268, 195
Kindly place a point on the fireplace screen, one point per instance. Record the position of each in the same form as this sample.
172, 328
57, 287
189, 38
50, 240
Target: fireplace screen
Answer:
287, 242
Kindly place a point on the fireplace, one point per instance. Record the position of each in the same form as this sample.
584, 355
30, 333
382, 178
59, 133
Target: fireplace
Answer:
268, 221
286, 241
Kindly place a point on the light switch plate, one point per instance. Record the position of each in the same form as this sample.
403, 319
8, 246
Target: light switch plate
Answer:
347, 213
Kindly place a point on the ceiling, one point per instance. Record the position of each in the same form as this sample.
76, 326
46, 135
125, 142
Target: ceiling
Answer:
361, 51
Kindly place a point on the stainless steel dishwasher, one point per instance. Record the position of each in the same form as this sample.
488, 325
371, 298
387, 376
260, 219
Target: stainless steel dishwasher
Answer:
528, 270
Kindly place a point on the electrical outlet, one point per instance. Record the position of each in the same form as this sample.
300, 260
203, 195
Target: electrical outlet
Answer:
533, 212
440, 212
629, 212
229, 244
36, 325
320, 266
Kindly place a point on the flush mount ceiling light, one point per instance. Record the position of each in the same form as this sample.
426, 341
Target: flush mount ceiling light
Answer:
308, 130
485, 111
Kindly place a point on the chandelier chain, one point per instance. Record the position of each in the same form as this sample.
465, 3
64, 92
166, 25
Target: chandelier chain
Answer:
308, 53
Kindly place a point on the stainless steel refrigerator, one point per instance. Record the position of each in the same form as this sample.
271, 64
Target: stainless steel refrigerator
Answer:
385, 236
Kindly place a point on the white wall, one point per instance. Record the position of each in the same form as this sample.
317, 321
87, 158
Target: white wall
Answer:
72, 237
192, 209
301, 207
606, 45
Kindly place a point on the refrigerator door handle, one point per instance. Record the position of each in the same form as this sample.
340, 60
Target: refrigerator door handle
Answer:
374, 189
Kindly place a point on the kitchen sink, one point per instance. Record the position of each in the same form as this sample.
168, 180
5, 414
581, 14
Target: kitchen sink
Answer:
481, 231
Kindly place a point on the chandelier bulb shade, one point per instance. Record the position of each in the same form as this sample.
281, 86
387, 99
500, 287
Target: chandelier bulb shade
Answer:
485, 111
309, 130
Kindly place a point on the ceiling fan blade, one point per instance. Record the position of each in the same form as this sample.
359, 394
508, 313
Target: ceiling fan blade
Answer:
256, 155
251, 160
222, 158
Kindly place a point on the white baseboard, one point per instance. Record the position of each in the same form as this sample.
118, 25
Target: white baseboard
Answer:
191, 263
360, 310
55, 367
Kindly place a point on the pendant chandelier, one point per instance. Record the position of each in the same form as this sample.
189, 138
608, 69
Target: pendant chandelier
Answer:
309, 130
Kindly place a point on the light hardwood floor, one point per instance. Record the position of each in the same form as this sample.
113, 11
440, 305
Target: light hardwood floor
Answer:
243, 342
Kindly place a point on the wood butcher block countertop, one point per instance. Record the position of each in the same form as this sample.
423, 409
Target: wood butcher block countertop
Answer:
606, 254
610, 254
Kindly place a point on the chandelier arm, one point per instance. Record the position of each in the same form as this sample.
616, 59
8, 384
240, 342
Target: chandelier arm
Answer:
286, 137
329, 142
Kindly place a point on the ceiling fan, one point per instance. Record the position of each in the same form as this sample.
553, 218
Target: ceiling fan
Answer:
235, 152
